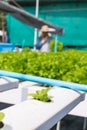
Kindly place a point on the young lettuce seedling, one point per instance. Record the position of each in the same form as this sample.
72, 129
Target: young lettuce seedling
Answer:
42, 95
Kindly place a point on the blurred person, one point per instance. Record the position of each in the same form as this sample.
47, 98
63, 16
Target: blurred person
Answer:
43, 42
6, 37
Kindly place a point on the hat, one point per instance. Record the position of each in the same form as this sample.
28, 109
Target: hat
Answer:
45, 28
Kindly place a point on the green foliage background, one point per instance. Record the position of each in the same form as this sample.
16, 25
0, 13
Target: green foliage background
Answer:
70, 65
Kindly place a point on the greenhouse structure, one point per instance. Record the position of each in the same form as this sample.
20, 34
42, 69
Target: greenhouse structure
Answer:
69, 14
43, 90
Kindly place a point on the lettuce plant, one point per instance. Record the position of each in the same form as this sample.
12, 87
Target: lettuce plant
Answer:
41, 95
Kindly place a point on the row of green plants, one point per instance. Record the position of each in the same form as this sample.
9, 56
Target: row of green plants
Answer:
70, 65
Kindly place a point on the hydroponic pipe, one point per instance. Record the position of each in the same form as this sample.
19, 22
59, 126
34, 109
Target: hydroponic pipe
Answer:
41, 80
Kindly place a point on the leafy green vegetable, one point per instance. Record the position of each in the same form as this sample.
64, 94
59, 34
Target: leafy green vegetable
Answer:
69, 65
26, 49
2, 115
59, 47
41, 95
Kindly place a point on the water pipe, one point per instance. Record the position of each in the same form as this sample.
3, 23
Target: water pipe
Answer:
41, 80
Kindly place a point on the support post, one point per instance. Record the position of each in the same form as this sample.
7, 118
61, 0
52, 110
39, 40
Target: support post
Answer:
56, 44
35, 32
